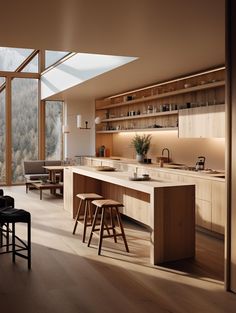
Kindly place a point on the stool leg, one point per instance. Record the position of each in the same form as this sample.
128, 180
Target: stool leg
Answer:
85, 219
1, 235
101, 231
94, 225
13, 243
90, 211
121, 228
77, 216
29, 244
7, 236
113, 225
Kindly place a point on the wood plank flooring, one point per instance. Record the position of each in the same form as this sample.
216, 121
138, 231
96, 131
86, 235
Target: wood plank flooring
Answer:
69, 277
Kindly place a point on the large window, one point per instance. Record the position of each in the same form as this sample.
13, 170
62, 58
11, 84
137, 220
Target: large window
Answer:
2, 132
53, 124
24, 124
19, 116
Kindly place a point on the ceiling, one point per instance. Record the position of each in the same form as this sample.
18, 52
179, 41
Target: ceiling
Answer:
171, 38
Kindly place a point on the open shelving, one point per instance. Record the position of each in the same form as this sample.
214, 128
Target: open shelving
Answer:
165, 95
157, 108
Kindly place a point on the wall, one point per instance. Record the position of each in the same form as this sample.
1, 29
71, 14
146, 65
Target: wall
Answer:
182, 150
79, 141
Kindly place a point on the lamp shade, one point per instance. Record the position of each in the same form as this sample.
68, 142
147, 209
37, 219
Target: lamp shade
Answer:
65, 129
97, 120
79, 121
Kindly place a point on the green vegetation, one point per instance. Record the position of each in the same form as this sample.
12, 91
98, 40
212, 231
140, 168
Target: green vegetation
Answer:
141, 143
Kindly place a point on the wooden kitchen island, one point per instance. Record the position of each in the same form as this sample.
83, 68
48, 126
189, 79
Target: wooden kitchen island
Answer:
167, 208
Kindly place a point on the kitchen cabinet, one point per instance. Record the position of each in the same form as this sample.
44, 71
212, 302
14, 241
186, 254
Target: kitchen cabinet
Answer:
202, 122
218, 206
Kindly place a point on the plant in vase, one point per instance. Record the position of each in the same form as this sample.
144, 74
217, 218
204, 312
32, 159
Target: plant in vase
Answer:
141, 144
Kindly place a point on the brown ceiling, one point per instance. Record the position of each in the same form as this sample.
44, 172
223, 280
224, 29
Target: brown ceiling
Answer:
170, 37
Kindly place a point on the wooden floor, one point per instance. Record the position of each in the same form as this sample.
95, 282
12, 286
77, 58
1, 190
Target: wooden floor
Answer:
69, 277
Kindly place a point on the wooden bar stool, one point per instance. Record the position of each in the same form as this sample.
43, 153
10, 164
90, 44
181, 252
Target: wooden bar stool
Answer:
86, 199
110, 207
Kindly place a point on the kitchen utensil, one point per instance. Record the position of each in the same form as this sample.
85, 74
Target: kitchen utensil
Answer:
200, 164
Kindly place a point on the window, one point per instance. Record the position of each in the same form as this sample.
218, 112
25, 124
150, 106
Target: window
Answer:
24, 124
2, 133
52, 57
12, 58
53, 125
32, 66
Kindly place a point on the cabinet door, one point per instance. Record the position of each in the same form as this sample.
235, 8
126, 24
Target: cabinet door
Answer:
193, 122
218, 206
203, 214
216, 121
202, 122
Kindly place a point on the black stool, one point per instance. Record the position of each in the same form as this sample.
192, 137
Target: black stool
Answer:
13, 216
112, 207
6, 202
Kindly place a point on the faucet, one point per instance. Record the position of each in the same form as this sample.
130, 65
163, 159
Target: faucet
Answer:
168, 154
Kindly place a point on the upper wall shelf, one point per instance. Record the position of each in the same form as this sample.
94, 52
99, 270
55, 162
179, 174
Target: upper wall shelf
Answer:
140, 116
165, 94
150, 129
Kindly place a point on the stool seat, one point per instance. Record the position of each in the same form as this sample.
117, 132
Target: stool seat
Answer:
7, 201
12, 215
107, 203
89, 196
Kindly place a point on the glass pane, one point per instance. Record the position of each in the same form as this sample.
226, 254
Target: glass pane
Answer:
53, 123
2, 81
24, 124
11, 58
2, 136
52, 57
32, 66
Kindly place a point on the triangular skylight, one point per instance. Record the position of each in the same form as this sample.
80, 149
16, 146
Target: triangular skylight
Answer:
77, 69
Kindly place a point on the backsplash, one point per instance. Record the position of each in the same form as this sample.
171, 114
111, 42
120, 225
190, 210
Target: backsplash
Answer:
182, 150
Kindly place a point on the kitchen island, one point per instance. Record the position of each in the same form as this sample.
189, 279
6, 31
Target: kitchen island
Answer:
167, 208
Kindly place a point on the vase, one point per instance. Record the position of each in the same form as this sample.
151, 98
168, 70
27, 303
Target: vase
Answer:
139, 158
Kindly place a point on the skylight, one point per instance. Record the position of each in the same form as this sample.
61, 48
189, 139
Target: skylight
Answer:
77, 69
51, 57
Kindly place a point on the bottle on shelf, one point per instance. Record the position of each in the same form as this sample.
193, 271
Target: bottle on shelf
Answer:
149, 109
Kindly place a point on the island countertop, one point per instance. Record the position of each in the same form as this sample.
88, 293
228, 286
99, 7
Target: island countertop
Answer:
122, 179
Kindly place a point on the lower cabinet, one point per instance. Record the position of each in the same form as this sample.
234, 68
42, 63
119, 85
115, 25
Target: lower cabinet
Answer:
218, 207
203, 211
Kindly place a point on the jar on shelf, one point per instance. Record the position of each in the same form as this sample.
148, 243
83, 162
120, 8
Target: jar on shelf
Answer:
149, 109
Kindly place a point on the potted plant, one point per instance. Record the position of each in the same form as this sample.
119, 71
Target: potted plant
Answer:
141, 144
